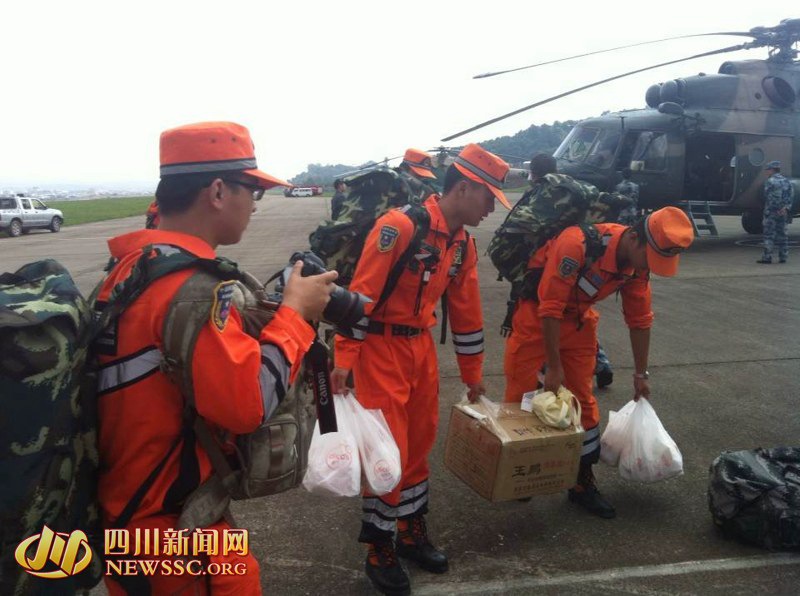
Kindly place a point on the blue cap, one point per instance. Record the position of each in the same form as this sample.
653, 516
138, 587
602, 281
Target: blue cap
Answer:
773, 165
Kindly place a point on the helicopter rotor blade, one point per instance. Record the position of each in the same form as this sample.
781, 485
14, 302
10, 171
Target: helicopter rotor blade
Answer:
457, 150
595, 84
633, 45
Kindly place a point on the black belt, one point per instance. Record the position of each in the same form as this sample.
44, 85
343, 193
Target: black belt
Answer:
379, 328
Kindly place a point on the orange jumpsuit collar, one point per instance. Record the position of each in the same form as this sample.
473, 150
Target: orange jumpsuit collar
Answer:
439, 223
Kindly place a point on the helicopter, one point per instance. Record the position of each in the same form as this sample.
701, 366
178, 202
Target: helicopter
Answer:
702, 141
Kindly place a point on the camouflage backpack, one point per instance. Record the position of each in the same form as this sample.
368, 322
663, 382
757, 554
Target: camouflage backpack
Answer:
48, 409
339, 241
48, 451
554, 203
755, 496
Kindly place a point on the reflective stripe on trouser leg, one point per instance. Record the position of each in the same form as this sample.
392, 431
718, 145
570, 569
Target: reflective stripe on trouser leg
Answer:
399, 376
378, 518
590, 451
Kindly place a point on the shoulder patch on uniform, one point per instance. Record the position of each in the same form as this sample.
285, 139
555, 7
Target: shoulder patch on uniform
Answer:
221, 309
567, 266
387, 238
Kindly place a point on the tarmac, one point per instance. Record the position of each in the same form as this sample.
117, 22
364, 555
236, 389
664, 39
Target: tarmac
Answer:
724, 375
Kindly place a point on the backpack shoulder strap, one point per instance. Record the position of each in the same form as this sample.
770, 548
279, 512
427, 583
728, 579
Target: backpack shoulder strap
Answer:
189, 311
595, 248
150, 267
422, 224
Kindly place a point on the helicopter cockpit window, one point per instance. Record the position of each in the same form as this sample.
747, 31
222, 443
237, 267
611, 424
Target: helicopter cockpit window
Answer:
577, 144
602, 154
650, 151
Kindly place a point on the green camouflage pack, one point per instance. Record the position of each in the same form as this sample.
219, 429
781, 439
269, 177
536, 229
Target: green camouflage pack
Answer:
48, 408
371, 194
554, 203
48, 442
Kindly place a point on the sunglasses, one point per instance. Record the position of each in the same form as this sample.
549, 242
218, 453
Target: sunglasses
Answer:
257, 191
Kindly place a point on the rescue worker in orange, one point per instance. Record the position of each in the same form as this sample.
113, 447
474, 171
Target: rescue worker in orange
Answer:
209, 181
393, 356
151, 218
419, 163
560, 328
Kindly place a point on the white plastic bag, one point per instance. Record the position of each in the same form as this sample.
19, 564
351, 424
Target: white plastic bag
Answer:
615, 436
650, 454
380, 457
334, 467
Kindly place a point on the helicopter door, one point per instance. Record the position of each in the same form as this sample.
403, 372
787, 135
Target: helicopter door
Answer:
655, 158
710, 167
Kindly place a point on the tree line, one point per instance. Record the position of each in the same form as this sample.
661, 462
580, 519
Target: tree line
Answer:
515, 149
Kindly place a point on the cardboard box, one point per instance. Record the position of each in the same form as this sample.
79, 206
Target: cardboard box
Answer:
513, 457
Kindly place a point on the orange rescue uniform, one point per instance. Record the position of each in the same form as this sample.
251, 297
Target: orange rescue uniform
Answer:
568, 293
238, 380
152, 217
392, 353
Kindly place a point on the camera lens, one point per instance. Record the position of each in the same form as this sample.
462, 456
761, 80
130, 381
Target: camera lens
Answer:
346, 308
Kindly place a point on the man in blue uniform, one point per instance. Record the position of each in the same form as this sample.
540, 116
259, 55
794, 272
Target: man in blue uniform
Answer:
777, 207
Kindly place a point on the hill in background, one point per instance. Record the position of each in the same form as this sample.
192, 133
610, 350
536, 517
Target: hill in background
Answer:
515, 149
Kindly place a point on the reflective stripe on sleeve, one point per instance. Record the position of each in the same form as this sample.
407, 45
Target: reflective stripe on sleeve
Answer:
585, 285
468, 343
273, 378
360, 329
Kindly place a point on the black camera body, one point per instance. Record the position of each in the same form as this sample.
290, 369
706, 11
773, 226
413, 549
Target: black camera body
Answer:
345, 308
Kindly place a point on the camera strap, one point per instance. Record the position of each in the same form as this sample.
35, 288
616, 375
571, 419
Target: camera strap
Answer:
317, 360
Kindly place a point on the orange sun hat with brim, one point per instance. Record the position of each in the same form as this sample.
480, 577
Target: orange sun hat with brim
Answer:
419, 162
477, 164
669, 232
212, 147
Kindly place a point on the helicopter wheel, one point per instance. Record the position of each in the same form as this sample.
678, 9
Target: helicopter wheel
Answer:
752, 221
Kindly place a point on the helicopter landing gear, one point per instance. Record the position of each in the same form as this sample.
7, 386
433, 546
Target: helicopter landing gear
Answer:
752, 221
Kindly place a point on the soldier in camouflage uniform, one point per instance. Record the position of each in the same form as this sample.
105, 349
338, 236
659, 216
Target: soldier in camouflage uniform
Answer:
777, 205
628, 215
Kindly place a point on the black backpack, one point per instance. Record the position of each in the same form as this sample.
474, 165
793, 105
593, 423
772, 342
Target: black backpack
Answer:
754, 496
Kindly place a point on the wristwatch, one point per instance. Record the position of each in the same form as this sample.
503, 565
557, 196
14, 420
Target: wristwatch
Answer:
644, 375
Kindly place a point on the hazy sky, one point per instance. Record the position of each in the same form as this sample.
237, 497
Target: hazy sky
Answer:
87, 86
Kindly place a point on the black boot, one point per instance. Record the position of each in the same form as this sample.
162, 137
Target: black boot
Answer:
413, 544
604, 378
384, 570
585, 494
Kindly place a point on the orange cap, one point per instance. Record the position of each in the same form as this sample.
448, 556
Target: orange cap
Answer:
477, 164
419, 162
207, 147
669, 232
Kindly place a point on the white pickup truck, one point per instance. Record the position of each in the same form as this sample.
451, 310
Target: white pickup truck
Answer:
18, 215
